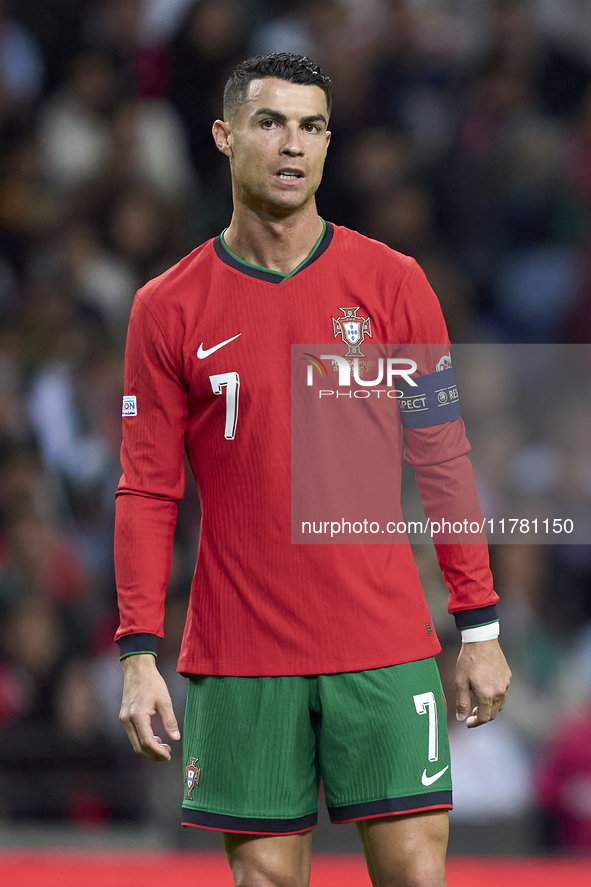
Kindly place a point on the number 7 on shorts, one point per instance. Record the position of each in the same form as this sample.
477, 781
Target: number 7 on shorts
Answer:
425, 704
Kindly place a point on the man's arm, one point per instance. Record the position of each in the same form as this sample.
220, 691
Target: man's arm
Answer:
448, 491
145, 694
153, 480
437, 448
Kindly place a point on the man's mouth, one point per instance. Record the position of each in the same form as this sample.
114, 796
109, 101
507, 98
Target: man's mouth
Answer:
288, 175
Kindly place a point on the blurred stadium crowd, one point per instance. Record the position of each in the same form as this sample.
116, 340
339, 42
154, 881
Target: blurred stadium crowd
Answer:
461, 136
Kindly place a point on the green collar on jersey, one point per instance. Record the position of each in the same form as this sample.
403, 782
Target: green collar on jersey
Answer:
224, 253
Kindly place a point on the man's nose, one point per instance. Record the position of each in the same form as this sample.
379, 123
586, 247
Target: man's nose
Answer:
292, 143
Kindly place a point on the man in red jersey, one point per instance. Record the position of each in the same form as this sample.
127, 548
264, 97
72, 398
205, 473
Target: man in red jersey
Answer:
305, 661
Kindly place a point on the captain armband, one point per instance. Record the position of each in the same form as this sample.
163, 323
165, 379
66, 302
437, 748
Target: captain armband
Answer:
432, 401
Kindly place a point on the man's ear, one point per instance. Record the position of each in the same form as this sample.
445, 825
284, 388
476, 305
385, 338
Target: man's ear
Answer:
221, 136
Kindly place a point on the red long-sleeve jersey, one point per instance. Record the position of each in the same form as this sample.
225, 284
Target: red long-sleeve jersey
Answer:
208, 365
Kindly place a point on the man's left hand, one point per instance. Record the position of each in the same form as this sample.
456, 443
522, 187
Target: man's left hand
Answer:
481, 672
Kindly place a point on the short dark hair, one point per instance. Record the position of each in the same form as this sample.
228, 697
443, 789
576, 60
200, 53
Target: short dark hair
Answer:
282, 65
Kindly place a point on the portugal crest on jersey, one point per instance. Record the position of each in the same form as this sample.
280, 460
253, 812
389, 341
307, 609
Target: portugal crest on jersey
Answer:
192, 774
352, 330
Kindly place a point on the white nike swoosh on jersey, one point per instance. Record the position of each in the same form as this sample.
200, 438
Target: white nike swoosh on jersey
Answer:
429, 780
205, 352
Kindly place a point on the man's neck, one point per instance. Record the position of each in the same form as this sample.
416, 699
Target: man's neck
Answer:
277, 244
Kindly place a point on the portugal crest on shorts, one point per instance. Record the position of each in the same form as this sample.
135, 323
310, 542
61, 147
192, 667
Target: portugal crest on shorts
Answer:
192, 774
352, 330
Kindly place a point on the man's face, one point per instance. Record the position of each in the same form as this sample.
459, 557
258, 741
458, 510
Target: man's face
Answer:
277, 142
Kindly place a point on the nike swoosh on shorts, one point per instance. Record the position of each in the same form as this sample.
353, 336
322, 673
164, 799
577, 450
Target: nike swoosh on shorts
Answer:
205, 352
429, 780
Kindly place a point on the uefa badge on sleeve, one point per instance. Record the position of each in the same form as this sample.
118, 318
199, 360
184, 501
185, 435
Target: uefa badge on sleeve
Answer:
129, 405
192, 774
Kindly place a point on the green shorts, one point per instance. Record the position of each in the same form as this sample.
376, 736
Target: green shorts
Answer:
256, 749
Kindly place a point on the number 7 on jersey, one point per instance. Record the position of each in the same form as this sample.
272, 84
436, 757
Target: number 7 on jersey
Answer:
231, 383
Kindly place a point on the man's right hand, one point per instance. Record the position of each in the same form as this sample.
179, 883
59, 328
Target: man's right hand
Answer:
144, 694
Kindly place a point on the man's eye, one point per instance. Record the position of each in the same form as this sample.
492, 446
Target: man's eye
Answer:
268, 123
312, 127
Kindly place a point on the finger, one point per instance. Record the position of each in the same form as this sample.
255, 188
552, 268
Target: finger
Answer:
149, 745
498, 705
156, 750
481, 714
164, 745
132, 735
169, 720
474, 720
462, 701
